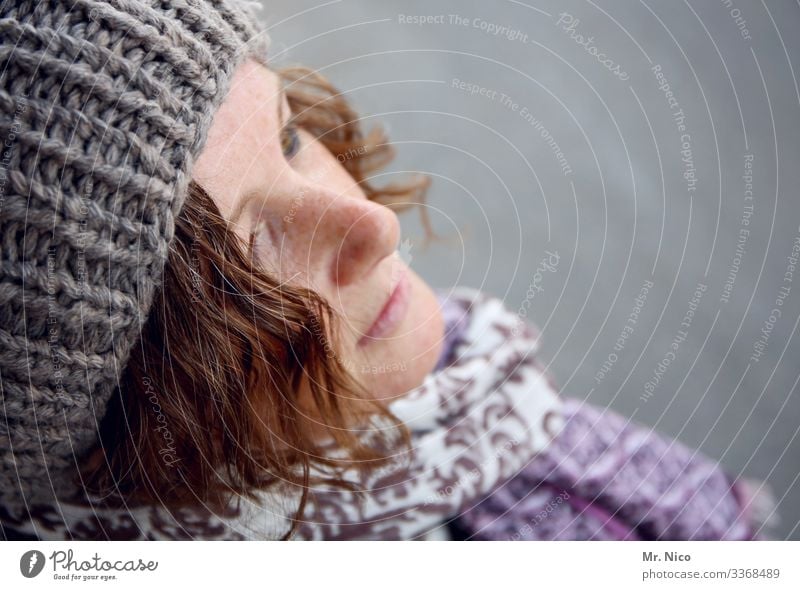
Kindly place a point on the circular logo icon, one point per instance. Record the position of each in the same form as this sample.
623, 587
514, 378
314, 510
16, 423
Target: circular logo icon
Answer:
31, 563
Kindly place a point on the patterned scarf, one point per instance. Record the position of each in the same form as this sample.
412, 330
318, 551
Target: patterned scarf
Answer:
496, 454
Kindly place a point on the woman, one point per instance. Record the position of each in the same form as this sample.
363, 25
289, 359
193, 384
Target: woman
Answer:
208, 332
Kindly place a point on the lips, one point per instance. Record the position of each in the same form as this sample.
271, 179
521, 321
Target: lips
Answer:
393, 312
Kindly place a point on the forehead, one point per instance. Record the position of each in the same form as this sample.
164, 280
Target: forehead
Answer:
244, 134
252, 101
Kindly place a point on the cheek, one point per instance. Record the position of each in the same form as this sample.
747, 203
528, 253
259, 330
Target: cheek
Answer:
400, 364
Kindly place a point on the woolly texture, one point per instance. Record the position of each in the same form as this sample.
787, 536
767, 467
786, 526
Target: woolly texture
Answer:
103, 108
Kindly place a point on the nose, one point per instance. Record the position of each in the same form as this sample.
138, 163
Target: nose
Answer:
362, 234
342, 236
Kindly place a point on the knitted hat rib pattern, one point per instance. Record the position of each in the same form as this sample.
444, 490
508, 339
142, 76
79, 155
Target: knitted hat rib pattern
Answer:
104, 106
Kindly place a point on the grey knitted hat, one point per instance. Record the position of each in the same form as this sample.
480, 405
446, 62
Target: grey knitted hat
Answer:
103, 108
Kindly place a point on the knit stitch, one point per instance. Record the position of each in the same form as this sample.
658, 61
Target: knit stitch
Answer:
103, 108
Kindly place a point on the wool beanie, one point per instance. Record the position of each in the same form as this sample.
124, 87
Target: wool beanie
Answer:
104, 106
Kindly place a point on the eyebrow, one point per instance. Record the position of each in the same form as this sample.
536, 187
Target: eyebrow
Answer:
240, 205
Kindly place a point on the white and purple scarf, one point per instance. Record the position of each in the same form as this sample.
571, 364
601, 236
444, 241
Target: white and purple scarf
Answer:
496, 454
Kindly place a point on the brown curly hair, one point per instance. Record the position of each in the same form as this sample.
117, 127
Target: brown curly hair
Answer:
207, 406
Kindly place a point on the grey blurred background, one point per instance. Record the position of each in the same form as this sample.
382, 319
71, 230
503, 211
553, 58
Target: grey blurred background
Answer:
540, 152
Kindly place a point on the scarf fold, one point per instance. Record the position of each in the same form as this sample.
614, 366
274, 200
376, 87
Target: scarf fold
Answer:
607, 478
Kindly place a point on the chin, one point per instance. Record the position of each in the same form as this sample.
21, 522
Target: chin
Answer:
393, 366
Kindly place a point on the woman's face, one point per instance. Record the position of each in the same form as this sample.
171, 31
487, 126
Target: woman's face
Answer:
314, 227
